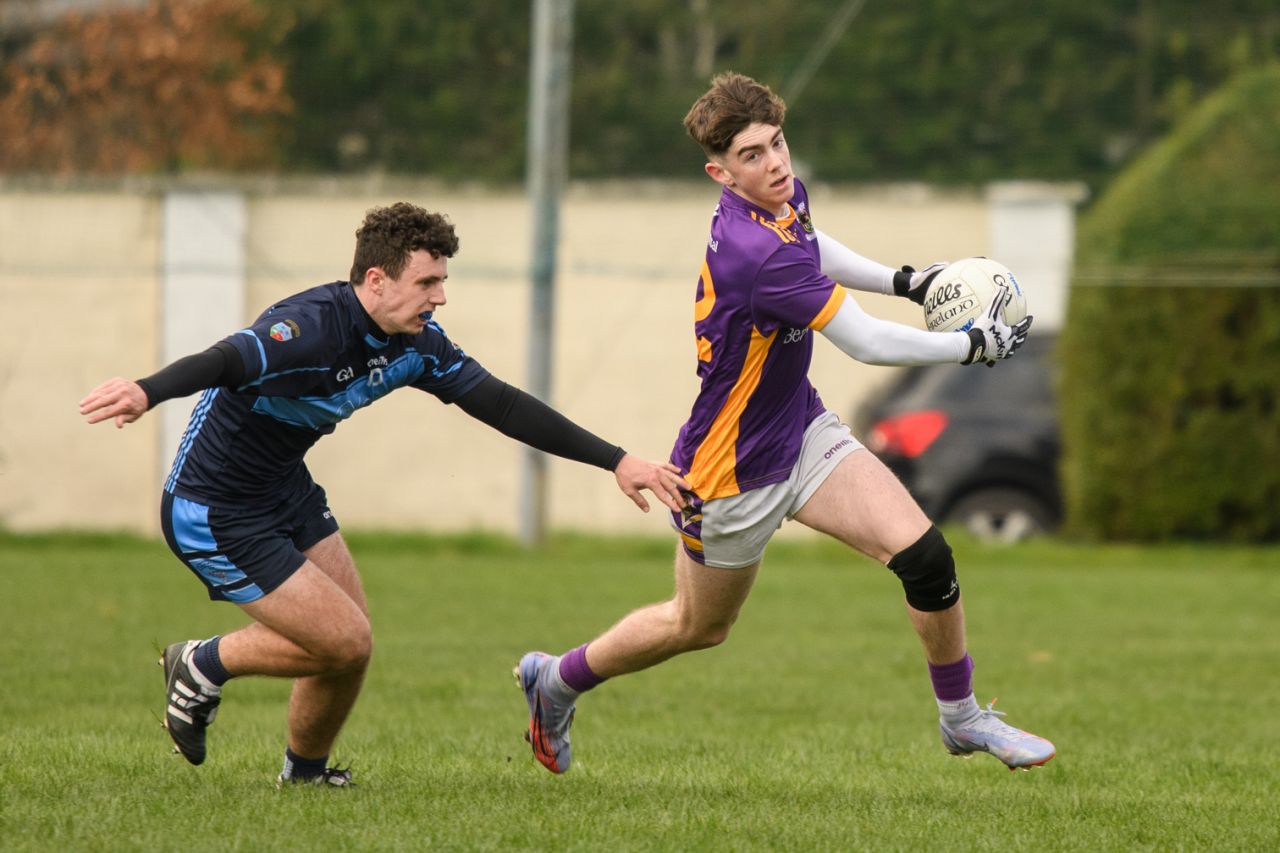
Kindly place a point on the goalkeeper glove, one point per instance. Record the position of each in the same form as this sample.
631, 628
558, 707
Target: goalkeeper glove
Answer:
915, 285
991, 338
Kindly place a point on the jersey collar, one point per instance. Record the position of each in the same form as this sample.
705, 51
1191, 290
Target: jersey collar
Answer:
730, 199
364, 325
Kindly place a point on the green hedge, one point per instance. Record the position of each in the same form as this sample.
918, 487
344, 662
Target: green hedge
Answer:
1170, 387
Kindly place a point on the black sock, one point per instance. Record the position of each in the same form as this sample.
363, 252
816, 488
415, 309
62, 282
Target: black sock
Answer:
209, 663
297, 767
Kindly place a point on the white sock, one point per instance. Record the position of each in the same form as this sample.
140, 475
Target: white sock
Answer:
958, 712
206, 686
563, 691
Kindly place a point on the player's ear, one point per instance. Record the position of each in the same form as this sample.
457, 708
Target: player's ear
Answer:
718, 173
374, 278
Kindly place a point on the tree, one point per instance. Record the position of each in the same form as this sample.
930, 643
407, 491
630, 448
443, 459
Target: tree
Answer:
1169, 397
177, 84
409, 86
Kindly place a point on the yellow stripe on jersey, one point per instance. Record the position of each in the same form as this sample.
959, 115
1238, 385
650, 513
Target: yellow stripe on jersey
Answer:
713, 471
829, 310
702, 307
783, 234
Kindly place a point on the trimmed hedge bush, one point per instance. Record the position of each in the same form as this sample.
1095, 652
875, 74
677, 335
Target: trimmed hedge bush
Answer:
1170, 357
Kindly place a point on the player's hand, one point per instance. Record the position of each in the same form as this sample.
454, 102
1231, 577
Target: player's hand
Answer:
915, 285
116, 398
663, 479
991, 338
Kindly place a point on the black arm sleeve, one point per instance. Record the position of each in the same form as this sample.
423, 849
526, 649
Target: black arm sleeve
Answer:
218, 366
525, 418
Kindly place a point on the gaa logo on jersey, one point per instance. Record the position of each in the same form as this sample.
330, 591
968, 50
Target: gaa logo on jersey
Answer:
285, 330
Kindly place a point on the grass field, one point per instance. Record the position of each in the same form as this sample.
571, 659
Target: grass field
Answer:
1156, 672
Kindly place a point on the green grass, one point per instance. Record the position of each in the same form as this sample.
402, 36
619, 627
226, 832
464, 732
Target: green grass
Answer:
1155, 670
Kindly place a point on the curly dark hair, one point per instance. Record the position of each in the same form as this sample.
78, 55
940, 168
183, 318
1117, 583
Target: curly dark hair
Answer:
733, 102
389, 235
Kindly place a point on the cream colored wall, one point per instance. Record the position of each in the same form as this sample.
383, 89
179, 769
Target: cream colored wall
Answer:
624, 364
79, 281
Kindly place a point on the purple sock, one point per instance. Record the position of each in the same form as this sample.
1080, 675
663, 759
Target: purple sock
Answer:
952, 681
574, 671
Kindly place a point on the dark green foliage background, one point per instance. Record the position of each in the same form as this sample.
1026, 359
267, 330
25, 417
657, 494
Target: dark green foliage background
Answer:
932, 90
1171, 359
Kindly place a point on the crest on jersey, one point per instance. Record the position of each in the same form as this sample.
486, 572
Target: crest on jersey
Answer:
802, 215
285, 330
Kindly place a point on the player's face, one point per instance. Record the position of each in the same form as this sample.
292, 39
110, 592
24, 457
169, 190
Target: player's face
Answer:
757, 167
418, 290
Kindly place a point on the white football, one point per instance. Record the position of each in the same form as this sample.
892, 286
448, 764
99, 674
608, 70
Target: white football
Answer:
964, 291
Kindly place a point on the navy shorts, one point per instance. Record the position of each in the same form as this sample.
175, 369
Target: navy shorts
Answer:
242, 554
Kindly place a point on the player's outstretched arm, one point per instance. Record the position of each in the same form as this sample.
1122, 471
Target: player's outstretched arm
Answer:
119, 398
872, 340
527, 419
126, 401
661, 478
842, 264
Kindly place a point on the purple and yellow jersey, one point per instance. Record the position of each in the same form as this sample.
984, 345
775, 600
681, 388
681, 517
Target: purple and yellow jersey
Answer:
760, 292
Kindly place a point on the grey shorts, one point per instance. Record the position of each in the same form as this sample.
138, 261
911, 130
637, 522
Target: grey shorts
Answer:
732, 532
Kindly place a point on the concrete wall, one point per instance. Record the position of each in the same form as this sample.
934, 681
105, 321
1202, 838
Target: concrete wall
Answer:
123, 279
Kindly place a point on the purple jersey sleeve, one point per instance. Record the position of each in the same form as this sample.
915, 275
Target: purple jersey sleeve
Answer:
791, 291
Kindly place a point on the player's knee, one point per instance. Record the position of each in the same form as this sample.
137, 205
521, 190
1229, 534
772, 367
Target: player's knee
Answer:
710, 637
347, 651
705, 634
928, 572
360, 651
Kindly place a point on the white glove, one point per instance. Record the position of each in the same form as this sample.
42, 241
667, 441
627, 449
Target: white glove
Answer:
915, 285
991, 338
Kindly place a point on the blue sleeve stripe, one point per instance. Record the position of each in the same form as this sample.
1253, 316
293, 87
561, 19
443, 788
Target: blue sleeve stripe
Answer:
262, 352
436, 371
267, 376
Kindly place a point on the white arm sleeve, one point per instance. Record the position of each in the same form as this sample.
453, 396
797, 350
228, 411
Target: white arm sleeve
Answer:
874, 341
842, 264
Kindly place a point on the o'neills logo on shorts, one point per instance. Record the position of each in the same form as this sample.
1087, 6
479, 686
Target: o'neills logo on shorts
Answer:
845, 442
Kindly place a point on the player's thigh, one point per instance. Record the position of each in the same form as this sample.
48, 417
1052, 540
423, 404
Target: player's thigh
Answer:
708, 596
864, 505
333, 558
311, 610
314, 532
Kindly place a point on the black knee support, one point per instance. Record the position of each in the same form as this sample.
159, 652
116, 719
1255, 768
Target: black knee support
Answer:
928, 572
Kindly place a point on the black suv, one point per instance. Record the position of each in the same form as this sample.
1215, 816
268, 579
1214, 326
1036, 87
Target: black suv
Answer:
976, 446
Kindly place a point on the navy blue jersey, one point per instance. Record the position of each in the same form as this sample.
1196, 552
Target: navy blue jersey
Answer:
310, 361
